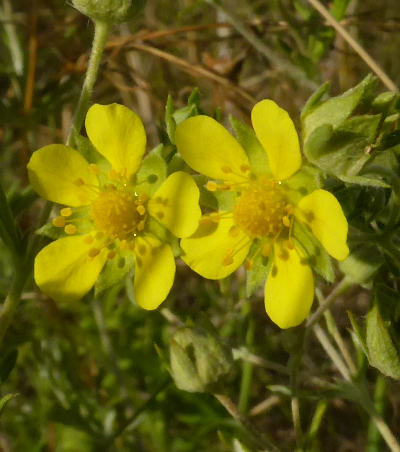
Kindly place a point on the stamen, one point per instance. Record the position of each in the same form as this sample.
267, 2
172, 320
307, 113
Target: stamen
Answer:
79, 182
226, 169
248, 264
88, 239
228, 260
66, 212
94, 168
93, 252
211, 186
286, 221
244, 168
141, 210
266, 250
111, 254
59, 222
70, 229
234, 231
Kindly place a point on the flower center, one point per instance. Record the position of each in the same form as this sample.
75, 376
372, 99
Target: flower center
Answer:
118, 213
261, 210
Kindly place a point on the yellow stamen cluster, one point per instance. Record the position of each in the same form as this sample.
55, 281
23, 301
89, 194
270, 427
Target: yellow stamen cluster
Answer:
118, 213
261, 210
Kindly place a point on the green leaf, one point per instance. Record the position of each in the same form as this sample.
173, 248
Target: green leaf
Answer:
314, 252
169, 119
357, 334
152, 171
9, 232
257, 274
342, 151
338, 9
7, 364
382, 352
362, 264
114, 271
314, 99
255, 152
336, 110
4, 400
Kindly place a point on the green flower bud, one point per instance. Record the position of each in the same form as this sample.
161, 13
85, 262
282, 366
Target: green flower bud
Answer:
110, 11
198, 360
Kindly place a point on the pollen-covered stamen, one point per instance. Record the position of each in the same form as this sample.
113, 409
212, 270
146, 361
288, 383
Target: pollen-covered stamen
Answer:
119, 214
261, 210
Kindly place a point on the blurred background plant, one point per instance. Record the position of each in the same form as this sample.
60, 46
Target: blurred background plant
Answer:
96, 375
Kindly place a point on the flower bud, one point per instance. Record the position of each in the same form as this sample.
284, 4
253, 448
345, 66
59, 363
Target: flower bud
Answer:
198, 359
110, 11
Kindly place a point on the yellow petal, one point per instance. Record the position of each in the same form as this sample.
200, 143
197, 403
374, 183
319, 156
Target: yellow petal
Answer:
154, 271
210, 149
289, 290
64, 271
176, 204
321, 211
278, 136
216, 250
60, 174
118, 134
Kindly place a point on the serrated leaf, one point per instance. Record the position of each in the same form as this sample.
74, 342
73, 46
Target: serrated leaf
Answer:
382, 352
336, 110
152, 171
342, 152
313, 251
362, 264
256, 153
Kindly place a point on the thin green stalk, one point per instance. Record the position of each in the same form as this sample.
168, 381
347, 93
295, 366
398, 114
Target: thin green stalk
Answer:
23, 271
247, 370
339, 289
374, 438
101, 30
232, 409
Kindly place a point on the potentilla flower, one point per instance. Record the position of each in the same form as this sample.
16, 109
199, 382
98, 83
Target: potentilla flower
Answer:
110, 214
264, 212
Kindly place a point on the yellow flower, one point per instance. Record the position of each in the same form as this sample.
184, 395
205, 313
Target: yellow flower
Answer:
110, 212
264, 212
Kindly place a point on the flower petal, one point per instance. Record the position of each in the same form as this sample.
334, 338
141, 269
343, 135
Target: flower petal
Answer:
214, 251
60, 174
154, 271
118, 134
176, 204
277, 134
289, 290
210, 149
64, 271
321, 211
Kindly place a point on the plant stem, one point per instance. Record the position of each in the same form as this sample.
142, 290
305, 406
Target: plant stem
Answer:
101, 30
247, 367
374, 438
232, 409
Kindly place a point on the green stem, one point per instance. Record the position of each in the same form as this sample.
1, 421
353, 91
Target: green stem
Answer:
247, 370
101, 30
374, 438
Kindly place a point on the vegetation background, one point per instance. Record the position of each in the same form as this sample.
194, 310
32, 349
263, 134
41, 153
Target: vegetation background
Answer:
87, 377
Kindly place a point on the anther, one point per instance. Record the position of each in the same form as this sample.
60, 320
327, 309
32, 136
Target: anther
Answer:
112, 174
59, 222
228, 260
123, 245
70, 229
211, 186
141, 210
286, 221
266, 250
141, 225
244, 168
66, 212
94, 168
226, 169
248, 265
79, 182
88, 239
234, 231
93, 252
111, 254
